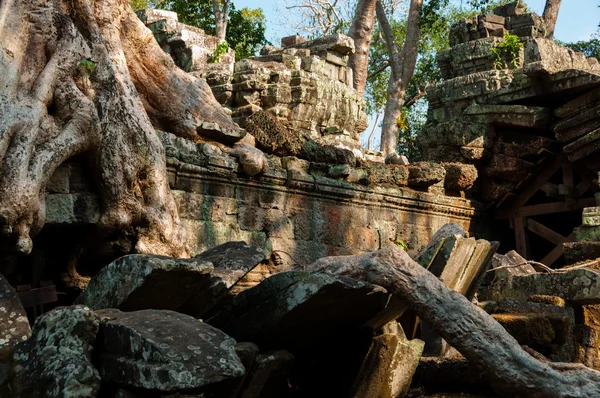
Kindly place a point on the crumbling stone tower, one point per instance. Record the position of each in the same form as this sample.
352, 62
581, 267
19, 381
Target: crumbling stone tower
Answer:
523, 110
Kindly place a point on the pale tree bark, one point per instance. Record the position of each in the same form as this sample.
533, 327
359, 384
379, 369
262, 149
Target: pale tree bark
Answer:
221, 10
403, 65
550, 16
372, 135
511, 371
361, 31
78, 76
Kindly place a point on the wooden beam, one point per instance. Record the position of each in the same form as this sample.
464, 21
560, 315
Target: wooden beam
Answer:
587, 176
557, 252
539, 181
545, 232
521, 237
545, 208
567, 174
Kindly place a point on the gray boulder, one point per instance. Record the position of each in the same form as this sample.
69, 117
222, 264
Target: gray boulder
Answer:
137, 282
56, 361
299, 308
164, 350
14, 326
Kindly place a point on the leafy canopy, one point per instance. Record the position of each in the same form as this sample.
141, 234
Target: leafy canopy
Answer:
245, 29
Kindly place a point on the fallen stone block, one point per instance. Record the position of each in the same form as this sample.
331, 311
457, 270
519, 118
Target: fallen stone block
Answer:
548, 329
297, 309
137, 282
232, 260
14, 325
389, 366
511, 264
579, 286
163, 350
56, 361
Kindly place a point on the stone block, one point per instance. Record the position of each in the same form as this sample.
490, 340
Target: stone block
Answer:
137, 282
58, 357
274, 313
389, 365
290, 41
59, 182
579, 286
14, 325
152, 349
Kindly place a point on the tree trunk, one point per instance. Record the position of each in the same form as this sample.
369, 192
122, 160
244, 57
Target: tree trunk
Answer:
403, 68
372, 135
361, 31
221, 10
75, 77
550, 16
475, 334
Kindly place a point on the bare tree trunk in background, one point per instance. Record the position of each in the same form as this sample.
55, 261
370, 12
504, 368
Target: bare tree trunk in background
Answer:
550, 16
403, 65
511, 371
82, 77
361, 31
221, 10
372, 135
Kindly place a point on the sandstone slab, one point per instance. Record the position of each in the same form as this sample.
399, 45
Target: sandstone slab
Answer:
138, 282
56, 361
297, 309
14, 325
580, 286
164, 350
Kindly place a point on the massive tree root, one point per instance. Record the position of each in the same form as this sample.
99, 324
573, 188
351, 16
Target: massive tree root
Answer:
80, 76
475, 334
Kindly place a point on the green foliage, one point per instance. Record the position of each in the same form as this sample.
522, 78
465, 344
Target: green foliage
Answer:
88, 66
139, 4
222, 49
401, 244
591, 48
506, 53
245, 29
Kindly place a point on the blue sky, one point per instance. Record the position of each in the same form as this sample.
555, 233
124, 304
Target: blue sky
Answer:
577, 20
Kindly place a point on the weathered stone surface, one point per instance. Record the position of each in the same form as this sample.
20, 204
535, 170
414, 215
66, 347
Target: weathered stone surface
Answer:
56, 361
14, 325
389, 365
446, 374
548, 329
138, 282
588, 337
429, 252
232, 260
580, 286
252, 160
459, 176
511, 264
297, 309
272, 136
269, 376
163, 350
581, 251
424, 174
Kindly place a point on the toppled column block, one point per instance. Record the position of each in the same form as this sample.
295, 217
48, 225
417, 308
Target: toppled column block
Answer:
389, 366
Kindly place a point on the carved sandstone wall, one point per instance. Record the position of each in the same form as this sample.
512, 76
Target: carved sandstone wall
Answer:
293, 210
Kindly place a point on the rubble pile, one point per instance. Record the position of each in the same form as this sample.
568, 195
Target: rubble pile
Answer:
152, 326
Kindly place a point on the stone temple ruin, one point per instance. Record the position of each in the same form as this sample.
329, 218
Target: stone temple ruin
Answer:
510, 167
